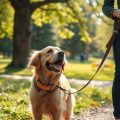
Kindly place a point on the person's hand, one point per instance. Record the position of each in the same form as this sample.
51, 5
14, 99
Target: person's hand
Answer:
116, 13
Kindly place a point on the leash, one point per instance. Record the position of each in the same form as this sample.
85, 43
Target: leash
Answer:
108, 46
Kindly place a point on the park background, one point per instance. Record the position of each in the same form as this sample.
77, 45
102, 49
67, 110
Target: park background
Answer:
76, 26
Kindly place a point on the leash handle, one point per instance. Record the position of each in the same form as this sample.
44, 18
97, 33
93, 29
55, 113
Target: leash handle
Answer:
108, 46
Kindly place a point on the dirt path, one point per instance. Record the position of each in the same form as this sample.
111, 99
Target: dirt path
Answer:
102, 113
77, 81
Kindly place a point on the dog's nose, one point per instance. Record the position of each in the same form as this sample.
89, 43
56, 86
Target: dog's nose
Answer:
61, 54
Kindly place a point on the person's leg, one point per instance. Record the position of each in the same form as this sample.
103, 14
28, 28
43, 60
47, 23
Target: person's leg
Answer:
116, 82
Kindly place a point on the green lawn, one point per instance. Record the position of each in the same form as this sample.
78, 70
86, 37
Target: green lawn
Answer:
74, 69
85, 71
14, 99
91, 97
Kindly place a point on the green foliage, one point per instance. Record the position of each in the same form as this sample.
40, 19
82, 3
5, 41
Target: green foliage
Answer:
58, 14
75, 45
55, 14
103, 33
44, 36
6, 19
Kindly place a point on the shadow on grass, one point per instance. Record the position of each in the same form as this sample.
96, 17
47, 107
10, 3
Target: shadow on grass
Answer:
10, 70
5, 67
3, 62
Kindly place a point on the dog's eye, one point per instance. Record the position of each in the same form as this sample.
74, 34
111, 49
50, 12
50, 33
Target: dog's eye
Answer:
50, 51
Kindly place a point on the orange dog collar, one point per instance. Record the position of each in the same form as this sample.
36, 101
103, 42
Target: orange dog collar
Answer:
40, 86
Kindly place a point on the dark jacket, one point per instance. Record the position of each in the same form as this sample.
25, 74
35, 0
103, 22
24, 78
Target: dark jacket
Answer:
108, 7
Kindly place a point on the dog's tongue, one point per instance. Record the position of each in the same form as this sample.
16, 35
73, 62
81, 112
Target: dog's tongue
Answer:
58, 66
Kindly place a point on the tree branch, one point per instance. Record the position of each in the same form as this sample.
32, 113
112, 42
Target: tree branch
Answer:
35, 5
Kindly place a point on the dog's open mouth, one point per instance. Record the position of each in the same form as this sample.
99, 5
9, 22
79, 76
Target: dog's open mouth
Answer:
56, 66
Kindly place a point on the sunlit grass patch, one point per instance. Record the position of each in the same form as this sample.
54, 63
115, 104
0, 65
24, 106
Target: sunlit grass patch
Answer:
74, 69
85, 71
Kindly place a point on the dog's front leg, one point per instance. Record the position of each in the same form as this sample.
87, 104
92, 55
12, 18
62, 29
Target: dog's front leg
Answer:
57, 115
67, 116
37, 115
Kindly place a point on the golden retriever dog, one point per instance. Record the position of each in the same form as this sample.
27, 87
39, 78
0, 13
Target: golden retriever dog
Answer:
46, 98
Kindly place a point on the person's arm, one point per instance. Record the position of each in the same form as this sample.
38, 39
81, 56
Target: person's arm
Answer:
108, 8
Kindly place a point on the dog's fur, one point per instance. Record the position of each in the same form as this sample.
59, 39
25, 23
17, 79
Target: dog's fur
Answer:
57, 105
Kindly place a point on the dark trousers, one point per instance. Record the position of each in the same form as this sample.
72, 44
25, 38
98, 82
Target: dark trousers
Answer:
116, 82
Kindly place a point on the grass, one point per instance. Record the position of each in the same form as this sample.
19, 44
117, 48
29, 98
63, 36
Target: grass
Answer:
74, 69
3, 70
92, 97
85, 71
14, 99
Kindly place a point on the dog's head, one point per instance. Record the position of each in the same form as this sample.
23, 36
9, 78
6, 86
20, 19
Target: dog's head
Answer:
51, 59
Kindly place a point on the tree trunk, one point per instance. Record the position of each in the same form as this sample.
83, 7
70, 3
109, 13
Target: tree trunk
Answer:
21, 37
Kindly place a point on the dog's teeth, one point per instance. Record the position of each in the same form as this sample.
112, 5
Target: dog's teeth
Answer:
55, 67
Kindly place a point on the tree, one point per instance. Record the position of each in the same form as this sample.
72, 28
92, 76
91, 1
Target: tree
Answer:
21, 35
58, 12
23, 10
103, 33
5, 47
43, 36
75, 46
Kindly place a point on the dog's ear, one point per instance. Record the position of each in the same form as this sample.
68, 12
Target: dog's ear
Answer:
34, 60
